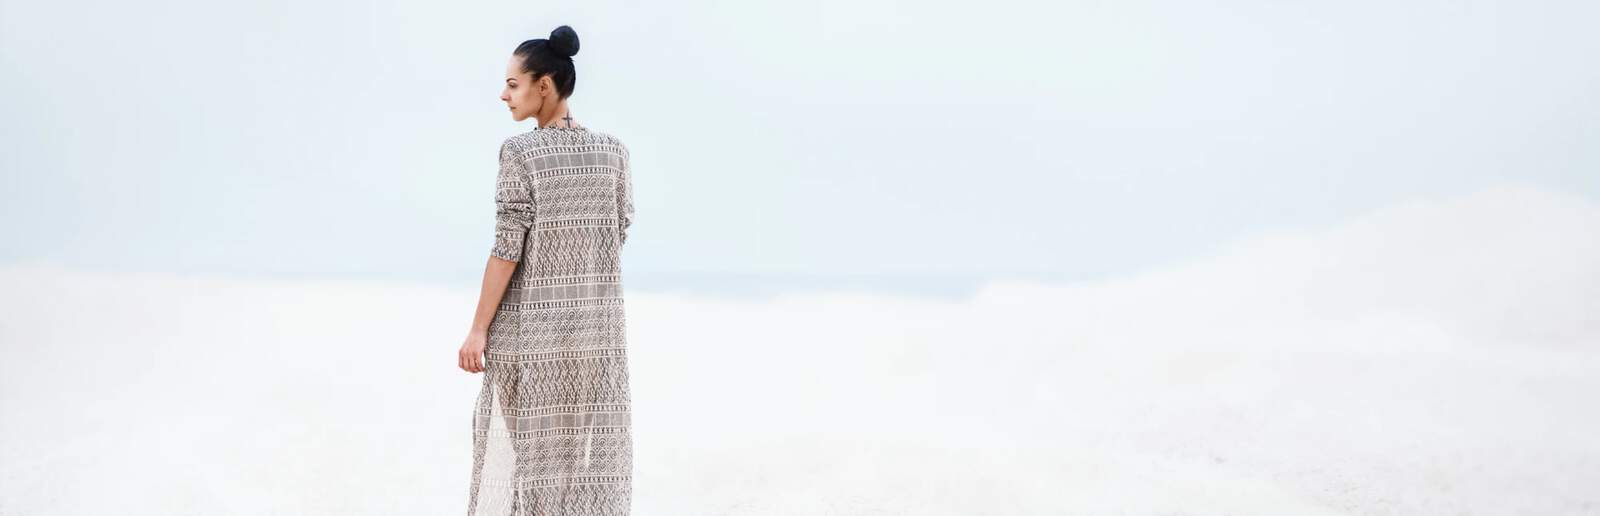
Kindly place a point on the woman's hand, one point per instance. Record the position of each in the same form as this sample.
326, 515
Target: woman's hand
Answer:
471, 359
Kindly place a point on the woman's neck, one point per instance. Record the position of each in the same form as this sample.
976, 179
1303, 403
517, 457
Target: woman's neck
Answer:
562, 118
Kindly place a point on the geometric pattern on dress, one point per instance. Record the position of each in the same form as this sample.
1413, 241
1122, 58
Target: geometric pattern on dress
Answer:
552, 422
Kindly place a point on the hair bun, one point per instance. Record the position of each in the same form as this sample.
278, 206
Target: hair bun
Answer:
564, 41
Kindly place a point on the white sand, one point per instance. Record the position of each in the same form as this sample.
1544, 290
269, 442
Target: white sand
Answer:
1438, 357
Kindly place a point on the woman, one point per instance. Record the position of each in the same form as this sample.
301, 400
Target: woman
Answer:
551, 431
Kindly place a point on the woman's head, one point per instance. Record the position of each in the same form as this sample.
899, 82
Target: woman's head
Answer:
540, 75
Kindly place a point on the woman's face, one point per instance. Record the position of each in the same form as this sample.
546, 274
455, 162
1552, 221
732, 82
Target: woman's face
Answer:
523, 95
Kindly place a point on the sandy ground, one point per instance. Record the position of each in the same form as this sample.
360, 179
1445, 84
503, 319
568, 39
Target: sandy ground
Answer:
1440, 357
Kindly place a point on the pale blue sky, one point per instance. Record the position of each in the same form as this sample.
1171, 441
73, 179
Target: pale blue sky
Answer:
863, 143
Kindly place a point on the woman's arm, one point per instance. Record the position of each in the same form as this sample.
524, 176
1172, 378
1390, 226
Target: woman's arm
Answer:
496, 276
624, 197
513, 201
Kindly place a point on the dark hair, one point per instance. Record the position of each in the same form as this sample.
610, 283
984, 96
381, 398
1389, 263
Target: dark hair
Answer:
552, 56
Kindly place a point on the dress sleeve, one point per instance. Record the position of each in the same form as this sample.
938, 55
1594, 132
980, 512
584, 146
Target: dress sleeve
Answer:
624, 198
513, 205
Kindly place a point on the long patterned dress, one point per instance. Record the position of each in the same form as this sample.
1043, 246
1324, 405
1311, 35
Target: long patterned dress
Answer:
551, 429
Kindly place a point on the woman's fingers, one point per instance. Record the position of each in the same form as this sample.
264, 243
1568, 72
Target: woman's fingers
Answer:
471, 357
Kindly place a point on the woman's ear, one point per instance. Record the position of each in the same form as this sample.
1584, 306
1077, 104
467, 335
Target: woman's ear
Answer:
546, 85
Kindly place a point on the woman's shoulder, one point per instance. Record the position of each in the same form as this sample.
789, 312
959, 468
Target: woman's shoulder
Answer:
561, 136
